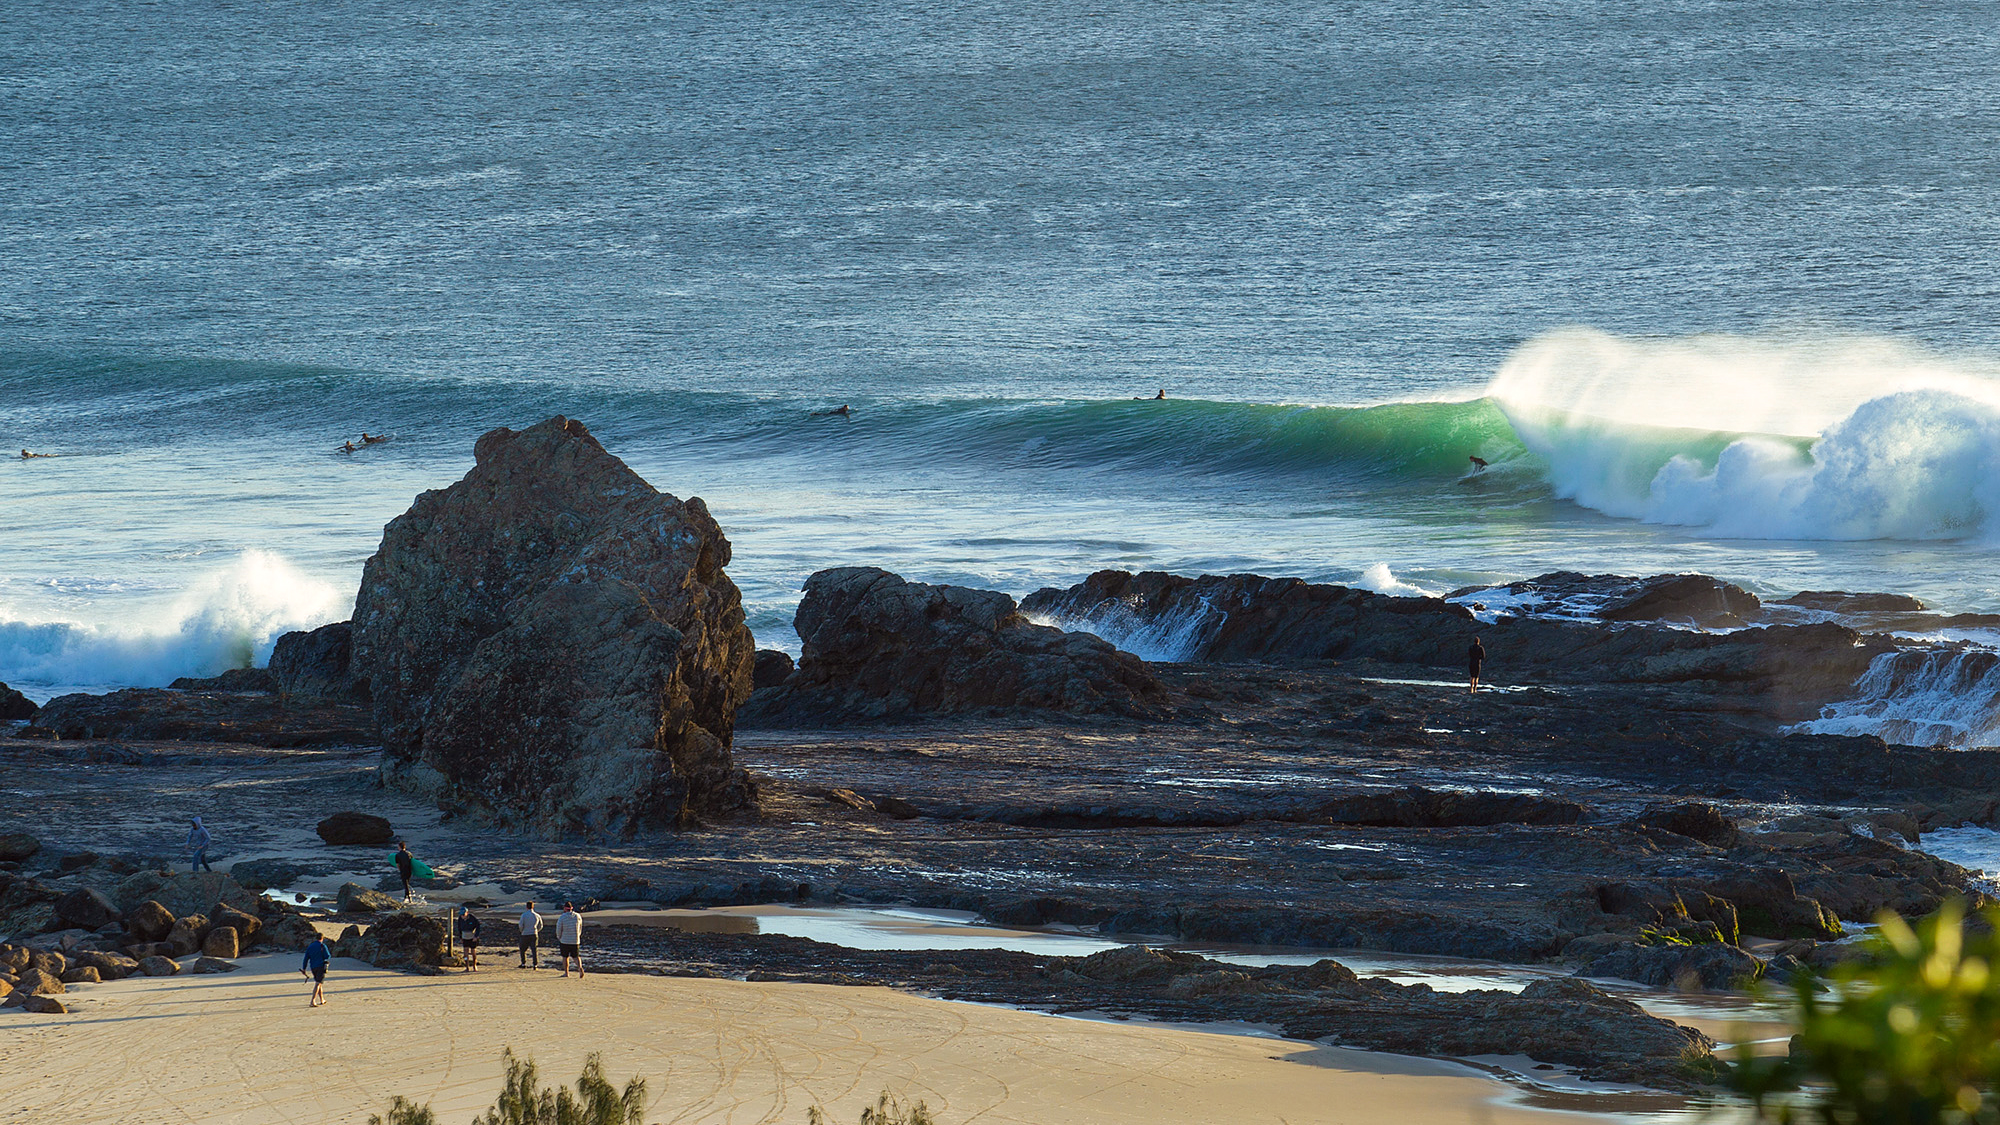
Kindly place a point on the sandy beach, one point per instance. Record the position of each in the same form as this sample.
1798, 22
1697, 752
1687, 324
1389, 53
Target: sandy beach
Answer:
244, 1047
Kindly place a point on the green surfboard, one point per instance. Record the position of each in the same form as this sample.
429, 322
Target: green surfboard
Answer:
418, 870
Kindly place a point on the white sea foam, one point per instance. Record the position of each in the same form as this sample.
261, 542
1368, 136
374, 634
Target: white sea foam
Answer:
1379, 579
1837, 439
1168, 638
1938, 698
227, 618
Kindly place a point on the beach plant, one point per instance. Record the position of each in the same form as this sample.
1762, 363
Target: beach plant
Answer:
403, 1111
596, 1101
1908, 1035
887, 1110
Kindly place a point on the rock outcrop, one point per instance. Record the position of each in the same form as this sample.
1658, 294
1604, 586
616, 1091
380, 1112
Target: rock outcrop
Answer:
1791, 669
164, 714
874, 646
14, 706
315, 665
553, 643
399, 941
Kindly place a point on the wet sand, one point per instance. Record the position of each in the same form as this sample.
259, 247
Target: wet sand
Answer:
244, 1048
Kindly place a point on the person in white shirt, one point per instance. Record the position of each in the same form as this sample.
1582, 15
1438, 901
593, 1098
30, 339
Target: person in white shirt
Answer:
531, 929
569, 938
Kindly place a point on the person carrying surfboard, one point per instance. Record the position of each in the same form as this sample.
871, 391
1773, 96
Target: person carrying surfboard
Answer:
406, 866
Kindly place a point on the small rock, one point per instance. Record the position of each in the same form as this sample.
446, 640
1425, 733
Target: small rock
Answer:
850, 799
44, 1006
213, 964
1692, 819
344, 828
144, 949
109, 966
83, 974
19, 845
48, 961
772, 668
896, 807
245, 924
264, 874
158, 966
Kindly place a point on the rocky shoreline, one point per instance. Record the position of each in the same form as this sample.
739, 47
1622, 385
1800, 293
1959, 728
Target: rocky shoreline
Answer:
1635, 803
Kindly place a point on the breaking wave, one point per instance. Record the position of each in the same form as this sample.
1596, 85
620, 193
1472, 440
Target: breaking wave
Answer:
228, 618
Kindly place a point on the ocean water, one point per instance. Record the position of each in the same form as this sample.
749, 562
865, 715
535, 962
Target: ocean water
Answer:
1711, 285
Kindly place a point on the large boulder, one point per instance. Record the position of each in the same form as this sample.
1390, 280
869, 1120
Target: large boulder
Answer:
14, 706
315, 665
40, 982
345, 828
188, 892
875, 646
149, 921
221, 942
224, 916
398, 941
187, 934
553, 643
85, 909
356, 899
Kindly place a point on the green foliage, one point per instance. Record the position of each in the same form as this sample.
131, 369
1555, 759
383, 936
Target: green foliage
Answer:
1909, 1037
596, 1101
403, 1111
887, 1110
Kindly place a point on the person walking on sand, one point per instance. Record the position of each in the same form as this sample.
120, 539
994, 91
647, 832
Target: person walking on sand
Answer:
569, 938
1475, 658
531, 929
406, 866
468, 936
197, 846
317, 955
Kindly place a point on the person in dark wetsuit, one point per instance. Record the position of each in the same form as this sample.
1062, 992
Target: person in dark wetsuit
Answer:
406, 866
1475, 657
1478, 462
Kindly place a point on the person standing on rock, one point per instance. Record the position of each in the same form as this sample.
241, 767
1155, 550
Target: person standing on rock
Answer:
406, 866
531, 929
197, 845
569, 938
317, 955
468, 936
1475, 658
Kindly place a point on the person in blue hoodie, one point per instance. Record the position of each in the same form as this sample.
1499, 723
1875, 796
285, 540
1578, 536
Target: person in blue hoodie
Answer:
197, 845
317, 955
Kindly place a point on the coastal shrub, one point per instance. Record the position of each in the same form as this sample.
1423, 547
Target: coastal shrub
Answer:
887, 1110
524, 1102
403, 1111
1909, 1035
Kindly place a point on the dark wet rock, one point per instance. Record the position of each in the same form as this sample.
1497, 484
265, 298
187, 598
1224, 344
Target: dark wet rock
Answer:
204, 716
234, 679
75, 861
1788, 669
264, 874
1768, 904
1842, 602
315, 664
773, 668
348, 828
1692, 819
398, 941
86, 909
14, 707
877, 647
353, 898
1418, 807
1691, 598
156, 966
553, 642
1707, 967
27, 906
213, 964
18, 846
